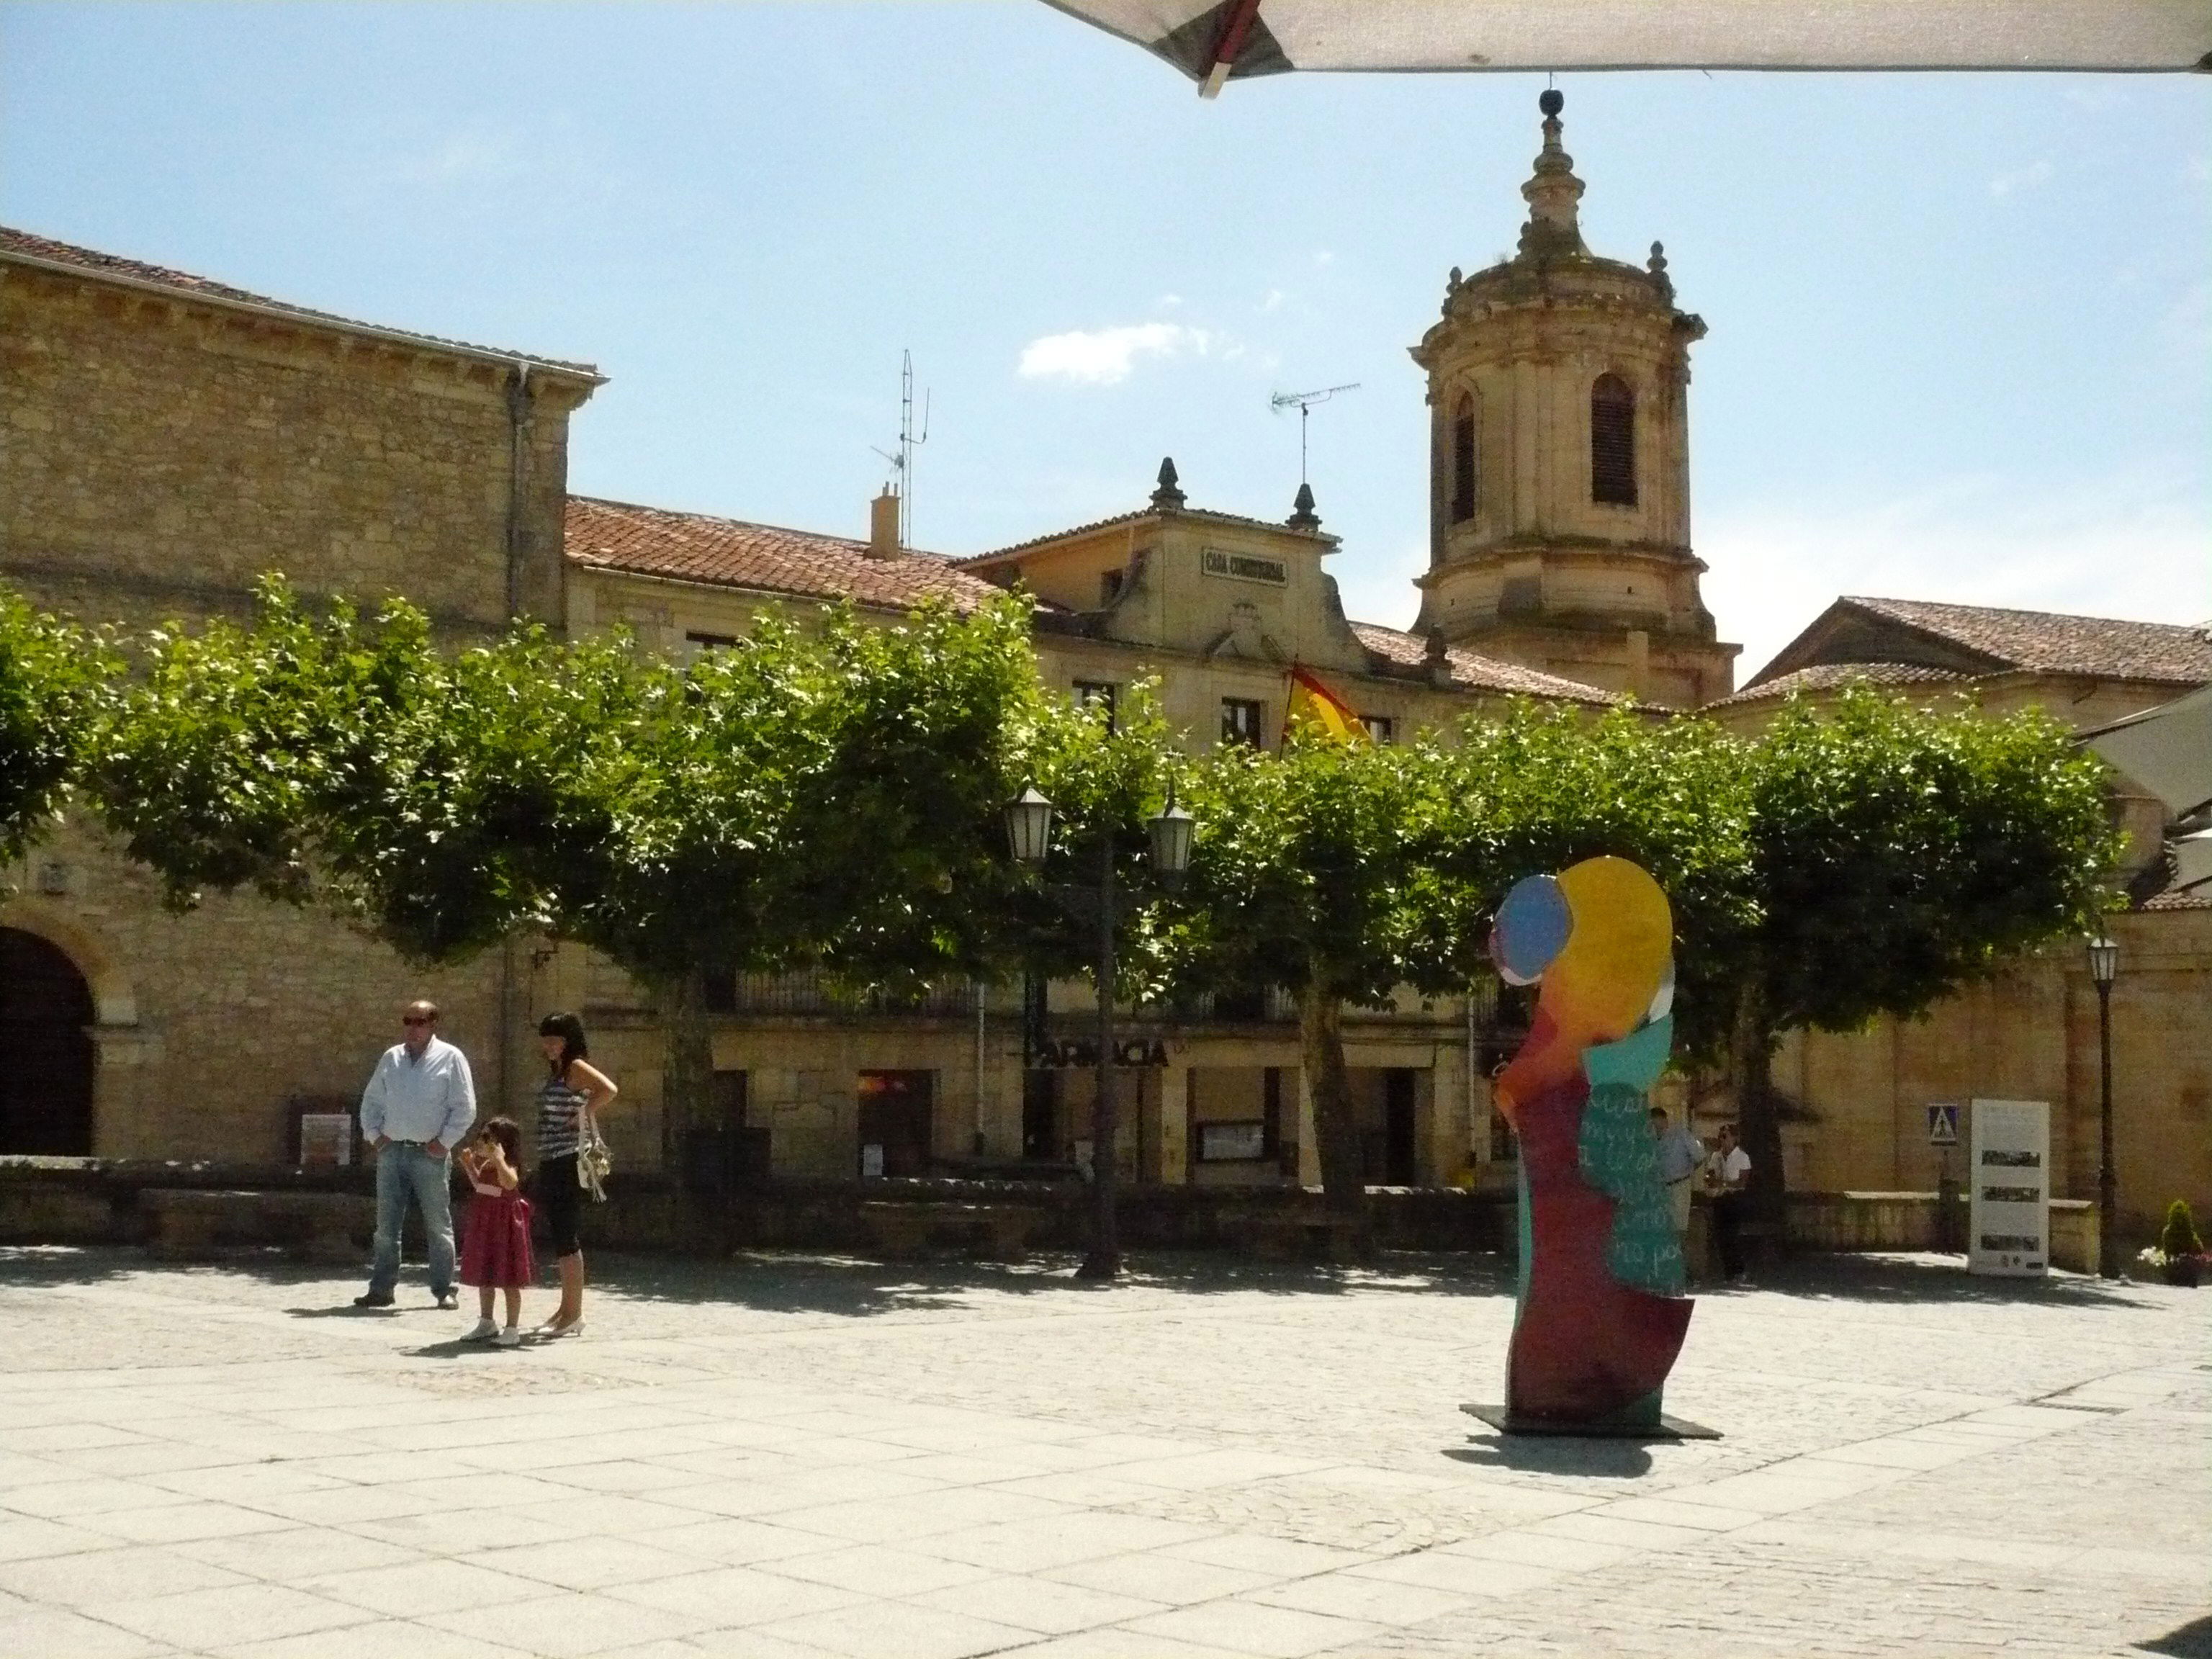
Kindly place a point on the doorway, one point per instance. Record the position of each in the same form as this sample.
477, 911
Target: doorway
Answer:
46, 1021
895, 1113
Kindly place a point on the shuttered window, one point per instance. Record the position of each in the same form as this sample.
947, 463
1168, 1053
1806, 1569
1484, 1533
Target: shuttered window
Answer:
1613, 441
1462, 461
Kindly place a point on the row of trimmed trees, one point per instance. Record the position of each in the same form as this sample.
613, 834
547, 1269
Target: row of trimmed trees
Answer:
829, 797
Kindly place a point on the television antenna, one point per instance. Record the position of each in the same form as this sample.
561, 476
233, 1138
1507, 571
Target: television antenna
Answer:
901, 459
1303, 402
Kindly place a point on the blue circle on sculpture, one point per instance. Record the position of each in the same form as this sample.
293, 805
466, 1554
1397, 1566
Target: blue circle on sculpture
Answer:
1532, 928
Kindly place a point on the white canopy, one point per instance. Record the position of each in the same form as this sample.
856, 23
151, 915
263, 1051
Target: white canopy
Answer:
1213, 40
2167, 750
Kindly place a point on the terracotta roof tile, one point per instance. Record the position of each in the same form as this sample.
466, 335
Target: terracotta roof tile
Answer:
2051, 642
694, 547
24, 244
1825, 676
1472, 672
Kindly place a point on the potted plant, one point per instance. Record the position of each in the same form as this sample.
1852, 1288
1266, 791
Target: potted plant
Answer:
2178, 1256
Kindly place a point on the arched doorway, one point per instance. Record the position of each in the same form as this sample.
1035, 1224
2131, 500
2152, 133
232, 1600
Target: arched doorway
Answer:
45, 1013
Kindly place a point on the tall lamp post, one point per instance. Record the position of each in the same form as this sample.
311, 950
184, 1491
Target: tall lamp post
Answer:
2104, 966
1029, 832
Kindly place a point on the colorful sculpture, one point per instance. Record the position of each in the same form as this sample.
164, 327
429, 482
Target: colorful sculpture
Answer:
1601, 1315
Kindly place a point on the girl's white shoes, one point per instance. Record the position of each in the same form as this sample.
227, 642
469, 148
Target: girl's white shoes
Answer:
484, 1331
509, 1338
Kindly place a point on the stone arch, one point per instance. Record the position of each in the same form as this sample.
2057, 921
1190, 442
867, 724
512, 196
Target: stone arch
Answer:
114, 1001
1465, 433
45, 1031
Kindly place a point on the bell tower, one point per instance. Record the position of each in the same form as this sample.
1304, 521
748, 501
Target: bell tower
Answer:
1559, 461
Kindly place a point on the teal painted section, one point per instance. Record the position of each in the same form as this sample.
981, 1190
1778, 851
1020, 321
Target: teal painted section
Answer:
1619, 1157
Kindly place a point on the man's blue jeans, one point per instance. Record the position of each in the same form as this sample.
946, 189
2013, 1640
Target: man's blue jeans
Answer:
404, 1170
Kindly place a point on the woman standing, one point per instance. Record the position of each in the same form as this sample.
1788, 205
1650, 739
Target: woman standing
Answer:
575, 1089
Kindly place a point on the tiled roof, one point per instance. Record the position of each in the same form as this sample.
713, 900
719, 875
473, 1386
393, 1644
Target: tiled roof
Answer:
1473, 672
1825, 676
2051, 642
693, 547
22, 244
1202, 514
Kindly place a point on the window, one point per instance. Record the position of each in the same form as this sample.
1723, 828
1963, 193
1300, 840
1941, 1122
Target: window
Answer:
1109, 586
1462, 460
1380, 727
1099, 695
710, 641
1239, 720
1613, 441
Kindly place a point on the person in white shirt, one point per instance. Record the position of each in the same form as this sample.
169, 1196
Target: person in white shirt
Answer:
1728, 1172
419, 1105
1680, 1153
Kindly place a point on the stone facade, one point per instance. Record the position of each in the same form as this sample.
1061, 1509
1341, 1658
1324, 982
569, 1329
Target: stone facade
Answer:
164, 441
1559, 493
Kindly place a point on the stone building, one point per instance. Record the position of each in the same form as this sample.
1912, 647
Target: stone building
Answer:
164, 439
2030, 1034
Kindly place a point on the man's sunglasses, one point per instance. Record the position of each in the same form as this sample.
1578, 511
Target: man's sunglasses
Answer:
416, 1019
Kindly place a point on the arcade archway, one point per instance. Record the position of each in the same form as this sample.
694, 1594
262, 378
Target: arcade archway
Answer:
45, 1018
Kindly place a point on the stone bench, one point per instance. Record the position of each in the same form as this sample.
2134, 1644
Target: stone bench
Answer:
1297, 1235
996, 1232
189, 1222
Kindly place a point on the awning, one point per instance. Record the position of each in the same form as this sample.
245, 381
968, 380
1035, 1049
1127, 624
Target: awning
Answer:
2167, 750
1214, 40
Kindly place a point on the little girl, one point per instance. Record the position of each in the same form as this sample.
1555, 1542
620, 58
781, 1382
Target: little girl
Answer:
497, 1254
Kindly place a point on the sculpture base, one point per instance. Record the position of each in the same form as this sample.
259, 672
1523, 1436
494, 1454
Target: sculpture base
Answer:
1667, 1428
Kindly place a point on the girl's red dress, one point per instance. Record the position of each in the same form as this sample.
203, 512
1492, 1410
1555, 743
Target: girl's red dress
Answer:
496, 1250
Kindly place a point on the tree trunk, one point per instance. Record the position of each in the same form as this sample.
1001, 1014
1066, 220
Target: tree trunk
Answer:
1759, 1126
687, 1063
1320, 1032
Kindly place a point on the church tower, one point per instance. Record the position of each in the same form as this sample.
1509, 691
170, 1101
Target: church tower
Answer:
1559, 461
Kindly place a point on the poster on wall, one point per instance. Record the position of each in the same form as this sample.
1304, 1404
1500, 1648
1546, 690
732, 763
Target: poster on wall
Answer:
1232, 1143
326, 1140
2008, 1204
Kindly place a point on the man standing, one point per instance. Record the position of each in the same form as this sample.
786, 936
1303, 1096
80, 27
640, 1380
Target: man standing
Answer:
1680, 1154
1726, 1173
419, 1102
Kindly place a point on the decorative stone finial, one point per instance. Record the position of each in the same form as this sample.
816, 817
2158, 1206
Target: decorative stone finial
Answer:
1167, 497
1657, 267
1433, 660
1552, 191
1303, 516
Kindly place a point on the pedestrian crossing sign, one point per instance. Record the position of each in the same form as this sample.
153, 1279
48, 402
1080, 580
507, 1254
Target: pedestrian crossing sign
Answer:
1944, 1124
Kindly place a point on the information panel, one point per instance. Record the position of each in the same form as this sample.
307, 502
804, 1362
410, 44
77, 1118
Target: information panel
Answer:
2009, 1207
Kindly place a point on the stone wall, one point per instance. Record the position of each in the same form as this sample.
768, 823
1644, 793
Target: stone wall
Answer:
161, 453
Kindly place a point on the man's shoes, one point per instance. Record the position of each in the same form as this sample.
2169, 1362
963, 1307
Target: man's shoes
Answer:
449, 1299
373, 1299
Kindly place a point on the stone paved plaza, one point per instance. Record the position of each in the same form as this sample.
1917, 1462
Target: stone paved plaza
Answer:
800, 1456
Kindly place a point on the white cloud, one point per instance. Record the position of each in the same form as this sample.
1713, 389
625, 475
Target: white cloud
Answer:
474, 156
2130, 545
1105, 356
1272, 300
2027, 178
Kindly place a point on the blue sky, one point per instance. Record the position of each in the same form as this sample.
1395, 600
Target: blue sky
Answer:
1961, 338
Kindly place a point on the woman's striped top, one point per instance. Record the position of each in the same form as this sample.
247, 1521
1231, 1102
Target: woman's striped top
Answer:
560, 1118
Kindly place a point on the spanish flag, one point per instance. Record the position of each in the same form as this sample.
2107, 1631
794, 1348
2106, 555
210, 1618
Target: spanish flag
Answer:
1314, 705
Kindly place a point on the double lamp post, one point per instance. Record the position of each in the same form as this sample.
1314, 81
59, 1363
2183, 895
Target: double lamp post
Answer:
1028, 831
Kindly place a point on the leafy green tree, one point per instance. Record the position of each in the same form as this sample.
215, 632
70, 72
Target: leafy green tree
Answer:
1896, 856
54, 680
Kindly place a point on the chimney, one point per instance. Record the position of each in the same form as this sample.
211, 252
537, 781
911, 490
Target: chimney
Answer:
884, 526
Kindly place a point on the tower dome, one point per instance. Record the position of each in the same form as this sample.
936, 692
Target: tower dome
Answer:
1559, 461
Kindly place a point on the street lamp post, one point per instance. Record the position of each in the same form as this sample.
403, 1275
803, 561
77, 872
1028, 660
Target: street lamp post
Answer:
1029, 832
2103, 967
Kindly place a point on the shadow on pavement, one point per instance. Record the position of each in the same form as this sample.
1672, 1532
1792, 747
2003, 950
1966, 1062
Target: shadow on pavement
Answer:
1612, 1460
858, 1287
2192, 1641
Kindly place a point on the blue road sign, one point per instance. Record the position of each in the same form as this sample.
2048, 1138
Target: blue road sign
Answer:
1943, 1125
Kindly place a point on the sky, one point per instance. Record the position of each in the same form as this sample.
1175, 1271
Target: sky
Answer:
1961, 325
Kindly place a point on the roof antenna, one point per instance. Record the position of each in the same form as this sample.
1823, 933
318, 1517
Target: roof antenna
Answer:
1303, 402
908, 440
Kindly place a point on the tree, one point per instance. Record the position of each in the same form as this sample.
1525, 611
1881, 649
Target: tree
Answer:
53, 694
1896, 856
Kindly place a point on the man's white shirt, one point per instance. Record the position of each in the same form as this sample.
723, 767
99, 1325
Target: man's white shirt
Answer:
429, 1096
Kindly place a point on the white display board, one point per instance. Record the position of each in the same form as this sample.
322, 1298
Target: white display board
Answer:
2009, 1202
